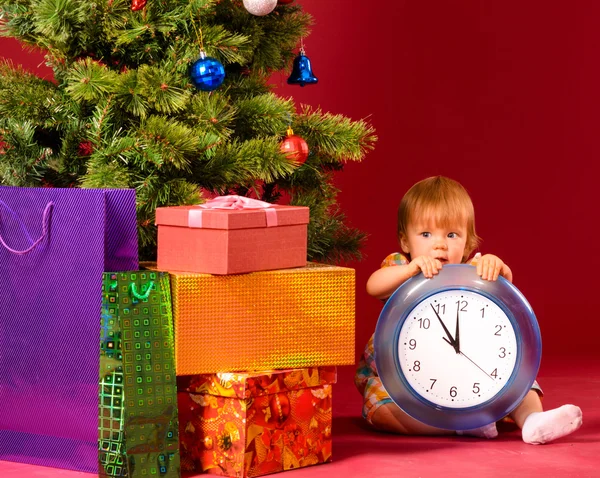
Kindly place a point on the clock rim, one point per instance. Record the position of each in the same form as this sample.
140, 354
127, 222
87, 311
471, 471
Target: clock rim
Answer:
457, 277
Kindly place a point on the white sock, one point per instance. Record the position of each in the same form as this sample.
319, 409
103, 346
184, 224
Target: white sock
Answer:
488, 431
543, 427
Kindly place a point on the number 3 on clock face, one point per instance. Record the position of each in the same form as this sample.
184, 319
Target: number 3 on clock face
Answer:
456, 351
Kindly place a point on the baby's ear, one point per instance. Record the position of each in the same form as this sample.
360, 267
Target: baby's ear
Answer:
404, 244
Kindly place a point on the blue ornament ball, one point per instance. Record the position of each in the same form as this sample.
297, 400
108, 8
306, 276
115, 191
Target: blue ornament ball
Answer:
207, 73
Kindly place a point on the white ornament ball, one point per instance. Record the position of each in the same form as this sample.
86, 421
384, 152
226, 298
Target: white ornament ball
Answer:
260, 7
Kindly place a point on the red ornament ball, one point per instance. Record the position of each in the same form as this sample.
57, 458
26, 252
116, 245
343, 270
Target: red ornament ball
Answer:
295, 148
284, 2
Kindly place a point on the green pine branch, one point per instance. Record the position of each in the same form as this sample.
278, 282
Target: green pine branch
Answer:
263, 115
25, 97
335, 136
22, 160
330, 239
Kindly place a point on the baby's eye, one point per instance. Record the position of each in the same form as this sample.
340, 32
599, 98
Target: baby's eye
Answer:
426, 234
452, 235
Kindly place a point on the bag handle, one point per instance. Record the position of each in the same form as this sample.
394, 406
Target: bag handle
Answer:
45, 221
139, 296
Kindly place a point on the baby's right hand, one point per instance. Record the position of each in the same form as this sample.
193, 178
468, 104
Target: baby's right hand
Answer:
428, 265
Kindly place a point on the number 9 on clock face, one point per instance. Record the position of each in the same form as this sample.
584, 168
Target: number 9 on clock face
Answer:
456, 351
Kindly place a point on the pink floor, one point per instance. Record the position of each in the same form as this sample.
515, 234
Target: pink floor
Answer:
360, 452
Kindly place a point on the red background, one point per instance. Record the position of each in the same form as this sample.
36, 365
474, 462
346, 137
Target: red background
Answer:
501, 96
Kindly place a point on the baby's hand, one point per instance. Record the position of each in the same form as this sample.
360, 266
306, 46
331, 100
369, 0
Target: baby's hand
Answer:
490, 267
428, 265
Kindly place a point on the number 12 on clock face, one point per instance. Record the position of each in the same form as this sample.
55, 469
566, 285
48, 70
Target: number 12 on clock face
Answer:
457, 349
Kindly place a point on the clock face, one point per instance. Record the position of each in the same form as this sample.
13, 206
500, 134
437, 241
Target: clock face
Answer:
457, 349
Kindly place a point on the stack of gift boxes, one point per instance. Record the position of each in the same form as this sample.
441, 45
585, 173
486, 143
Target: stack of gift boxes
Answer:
258, 335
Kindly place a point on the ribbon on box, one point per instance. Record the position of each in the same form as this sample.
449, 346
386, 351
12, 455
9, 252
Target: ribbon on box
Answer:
233, 202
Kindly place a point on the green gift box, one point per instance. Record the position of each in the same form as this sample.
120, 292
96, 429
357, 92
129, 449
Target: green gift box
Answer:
137, 423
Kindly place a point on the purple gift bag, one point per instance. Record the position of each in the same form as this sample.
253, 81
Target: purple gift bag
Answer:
54, 246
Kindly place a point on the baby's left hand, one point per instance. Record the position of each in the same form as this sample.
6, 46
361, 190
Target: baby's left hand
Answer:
490, 267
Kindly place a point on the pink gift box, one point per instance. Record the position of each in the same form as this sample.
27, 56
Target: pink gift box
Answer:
231, 241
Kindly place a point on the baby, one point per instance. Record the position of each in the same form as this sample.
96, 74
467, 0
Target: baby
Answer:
436, 226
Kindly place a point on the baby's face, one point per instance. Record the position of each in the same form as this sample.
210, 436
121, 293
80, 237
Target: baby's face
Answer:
445, 243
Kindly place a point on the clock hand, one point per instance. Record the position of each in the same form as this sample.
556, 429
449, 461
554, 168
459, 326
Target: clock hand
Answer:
476, 365
450, 340
453, 344
457, 332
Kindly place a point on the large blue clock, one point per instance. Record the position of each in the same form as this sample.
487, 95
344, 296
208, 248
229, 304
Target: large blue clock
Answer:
455, 351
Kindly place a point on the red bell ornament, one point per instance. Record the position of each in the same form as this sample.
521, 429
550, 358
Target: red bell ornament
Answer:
294, 147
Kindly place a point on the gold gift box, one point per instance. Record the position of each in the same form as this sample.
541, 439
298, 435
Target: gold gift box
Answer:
280, 319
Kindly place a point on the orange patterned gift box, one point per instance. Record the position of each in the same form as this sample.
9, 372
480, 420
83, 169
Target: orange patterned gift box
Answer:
282, 319
255, 423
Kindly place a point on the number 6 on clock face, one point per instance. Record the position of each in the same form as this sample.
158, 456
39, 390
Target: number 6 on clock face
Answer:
456, 351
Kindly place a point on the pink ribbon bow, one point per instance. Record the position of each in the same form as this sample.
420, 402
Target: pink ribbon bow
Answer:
233, 202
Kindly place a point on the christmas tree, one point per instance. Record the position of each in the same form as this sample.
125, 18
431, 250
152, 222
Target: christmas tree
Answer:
124, 112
